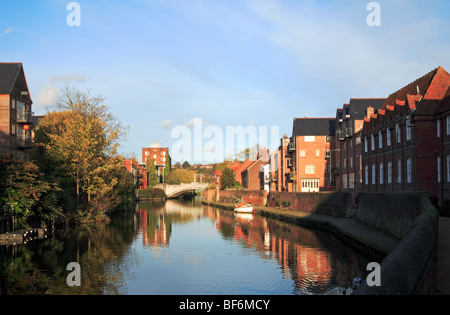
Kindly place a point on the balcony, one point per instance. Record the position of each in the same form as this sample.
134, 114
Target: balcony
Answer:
291, 146
24, 142
24, 116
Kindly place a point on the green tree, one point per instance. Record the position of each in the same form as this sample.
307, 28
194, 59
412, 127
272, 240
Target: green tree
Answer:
152, 178
22, 188
228, 179
180, 176
186, 165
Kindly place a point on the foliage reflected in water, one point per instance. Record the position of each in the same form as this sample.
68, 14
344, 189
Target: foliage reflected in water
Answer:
313, 260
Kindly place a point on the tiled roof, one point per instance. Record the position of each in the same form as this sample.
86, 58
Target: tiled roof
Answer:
314, 127
358, 106
8, 76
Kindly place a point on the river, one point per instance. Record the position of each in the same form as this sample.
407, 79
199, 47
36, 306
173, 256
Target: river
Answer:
182, 248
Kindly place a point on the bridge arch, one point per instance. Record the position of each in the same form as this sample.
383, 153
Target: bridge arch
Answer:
173, 191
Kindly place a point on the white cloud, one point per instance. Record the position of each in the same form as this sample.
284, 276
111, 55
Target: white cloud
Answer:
47, 97
166, 124
78, 78
7, 31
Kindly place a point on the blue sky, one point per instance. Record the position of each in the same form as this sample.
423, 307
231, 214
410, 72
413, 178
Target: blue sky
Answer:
162, 63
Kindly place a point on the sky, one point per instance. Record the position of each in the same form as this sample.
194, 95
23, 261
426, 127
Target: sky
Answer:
208, 78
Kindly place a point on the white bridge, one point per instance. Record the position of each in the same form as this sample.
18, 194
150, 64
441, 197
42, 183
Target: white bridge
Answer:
173, 191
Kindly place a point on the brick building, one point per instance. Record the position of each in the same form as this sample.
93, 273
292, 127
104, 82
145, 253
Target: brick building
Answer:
404, 142
302, 163
346, 151
159, 156
138, 171
16, 116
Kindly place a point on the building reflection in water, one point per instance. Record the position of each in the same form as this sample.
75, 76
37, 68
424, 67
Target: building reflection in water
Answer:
312, 259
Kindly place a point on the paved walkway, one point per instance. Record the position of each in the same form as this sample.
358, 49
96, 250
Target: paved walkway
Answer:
443, 257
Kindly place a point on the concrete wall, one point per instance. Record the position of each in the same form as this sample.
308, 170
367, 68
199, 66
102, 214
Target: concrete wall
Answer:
392, 213
325, 203
410, 268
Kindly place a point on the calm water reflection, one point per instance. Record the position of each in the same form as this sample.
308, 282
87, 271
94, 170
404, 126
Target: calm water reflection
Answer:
182, 247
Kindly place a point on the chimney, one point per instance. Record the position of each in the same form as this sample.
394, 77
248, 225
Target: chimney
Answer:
370, 111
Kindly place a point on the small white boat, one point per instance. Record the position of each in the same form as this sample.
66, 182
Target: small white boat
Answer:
243, 208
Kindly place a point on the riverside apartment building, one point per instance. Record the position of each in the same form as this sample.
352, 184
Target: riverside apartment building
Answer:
16, 116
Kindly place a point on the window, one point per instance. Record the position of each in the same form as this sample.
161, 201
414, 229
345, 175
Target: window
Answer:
317, 153
399, 171
350, 161
310, 169
328, 153
372, 140
408, 129
13, 129
389, 172
366, 145
408, 171
398, 133
164, 153
448, 168
373, 174
388, 137
345, 163
380, 140
381, 173
154, 156
366, 174
439, 169
438, 128
13, 103
310, 139
146, 153
447, 120
302, 153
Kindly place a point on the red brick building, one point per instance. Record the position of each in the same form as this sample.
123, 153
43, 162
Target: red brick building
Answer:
138, 171
346, 151
16, 116
159, 156
404, 142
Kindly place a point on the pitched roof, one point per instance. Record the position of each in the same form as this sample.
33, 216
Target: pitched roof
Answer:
358, 106
431, 86
12, 74
313, 127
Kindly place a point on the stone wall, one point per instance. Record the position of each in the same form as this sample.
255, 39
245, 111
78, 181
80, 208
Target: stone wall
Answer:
325, 203
410, 268
392, 213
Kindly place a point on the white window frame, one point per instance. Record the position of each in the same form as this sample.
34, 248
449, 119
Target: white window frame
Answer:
310, 169
388, 137
439, 169
374, 175
381, 173
408, 171
310, 138
438, 128
389, 179
366, 174
398, 132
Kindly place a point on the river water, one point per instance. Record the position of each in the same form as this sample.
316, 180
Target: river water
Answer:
182, 248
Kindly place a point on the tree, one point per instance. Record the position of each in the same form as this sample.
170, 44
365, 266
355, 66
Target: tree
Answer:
228, 179
79, 143
186, 165
22, 188
152, 178
180, 176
